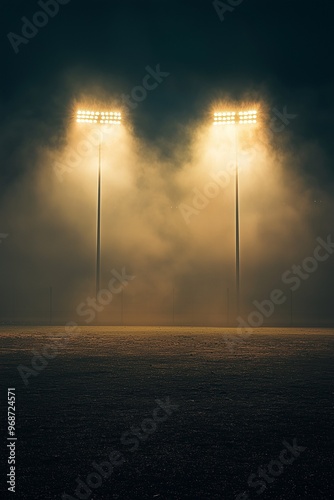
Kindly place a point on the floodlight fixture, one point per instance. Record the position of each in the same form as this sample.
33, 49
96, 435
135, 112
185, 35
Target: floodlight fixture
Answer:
99, 117
235, 118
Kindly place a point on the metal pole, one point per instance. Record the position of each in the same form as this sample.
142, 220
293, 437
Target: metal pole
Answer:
237, 235
98, 242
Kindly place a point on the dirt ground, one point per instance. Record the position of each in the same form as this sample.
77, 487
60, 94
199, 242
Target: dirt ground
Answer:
224, 412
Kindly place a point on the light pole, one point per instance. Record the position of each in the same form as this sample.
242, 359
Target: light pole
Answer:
99, 119
236, 118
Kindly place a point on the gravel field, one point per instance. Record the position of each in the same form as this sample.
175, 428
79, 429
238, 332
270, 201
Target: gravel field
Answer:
186, 415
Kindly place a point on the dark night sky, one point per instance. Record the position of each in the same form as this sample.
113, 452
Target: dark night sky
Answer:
280, 49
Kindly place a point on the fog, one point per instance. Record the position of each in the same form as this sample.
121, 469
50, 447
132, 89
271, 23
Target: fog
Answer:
168, 218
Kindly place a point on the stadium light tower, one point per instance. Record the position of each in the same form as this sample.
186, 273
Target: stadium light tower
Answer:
99, 119
236, 118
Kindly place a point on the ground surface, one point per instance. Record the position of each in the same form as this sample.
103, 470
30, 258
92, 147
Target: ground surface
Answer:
237, 403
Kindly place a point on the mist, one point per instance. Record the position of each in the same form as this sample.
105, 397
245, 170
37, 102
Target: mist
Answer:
168, 218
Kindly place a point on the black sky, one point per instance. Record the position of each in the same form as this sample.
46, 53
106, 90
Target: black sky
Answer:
279, 49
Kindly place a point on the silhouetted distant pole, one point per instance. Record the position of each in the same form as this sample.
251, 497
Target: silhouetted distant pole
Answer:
98, 239
50, 305
228, 306
122, 307
237, 233
291, 322
173, 307
13, 306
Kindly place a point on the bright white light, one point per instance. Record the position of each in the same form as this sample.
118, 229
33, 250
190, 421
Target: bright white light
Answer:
233, 117
99, 117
